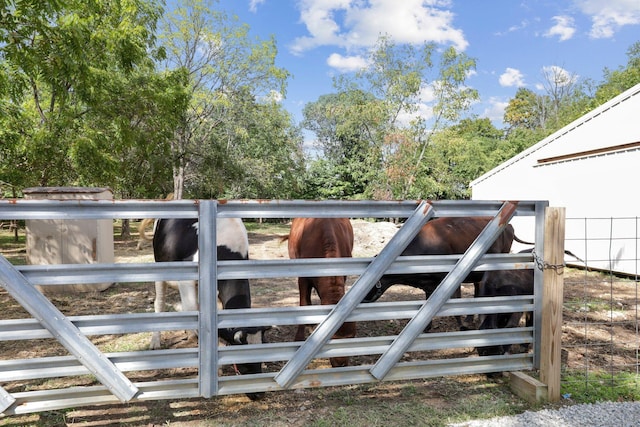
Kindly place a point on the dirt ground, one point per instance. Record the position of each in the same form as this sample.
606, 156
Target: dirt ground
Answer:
600, 332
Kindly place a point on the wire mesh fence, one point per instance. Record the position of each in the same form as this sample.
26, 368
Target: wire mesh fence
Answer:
601, 332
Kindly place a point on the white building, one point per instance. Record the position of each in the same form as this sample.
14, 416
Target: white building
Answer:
590, 167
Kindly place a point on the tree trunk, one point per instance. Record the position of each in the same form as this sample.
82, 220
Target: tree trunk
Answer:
178, 182
125, 232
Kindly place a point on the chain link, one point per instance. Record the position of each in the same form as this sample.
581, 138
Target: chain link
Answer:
543, 265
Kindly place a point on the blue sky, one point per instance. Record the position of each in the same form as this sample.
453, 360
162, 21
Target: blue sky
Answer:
512, 41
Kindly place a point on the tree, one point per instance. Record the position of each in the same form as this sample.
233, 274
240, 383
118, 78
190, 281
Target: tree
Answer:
69, 68
128, 147
263, 157
458, 155
524, 110
617, 81
223, 64
382, 116
346, 125
560, 87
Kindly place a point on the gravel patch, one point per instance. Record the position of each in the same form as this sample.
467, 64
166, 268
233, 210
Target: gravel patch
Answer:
606, 414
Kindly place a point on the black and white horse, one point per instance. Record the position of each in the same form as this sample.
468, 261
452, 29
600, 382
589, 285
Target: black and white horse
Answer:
177, 240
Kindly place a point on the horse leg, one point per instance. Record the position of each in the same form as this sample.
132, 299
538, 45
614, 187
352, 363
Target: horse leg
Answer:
189, 300
158, 306
331, 290
304, 286
468, 322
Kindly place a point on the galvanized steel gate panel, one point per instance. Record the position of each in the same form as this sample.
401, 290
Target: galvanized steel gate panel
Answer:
108, 369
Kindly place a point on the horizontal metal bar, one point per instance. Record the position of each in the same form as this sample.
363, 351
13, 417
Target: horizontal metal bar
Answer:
66, 366
316, 209
360, 374
460, 208
49, 400
361, 208
73, 397
61, 274
317, 267
134, 209
372, 311
96, 209
25, 329
273, 352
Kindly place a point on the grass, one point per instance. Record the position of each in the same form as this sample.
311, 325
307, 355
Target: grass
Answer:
600, 386
414, 403
279, 228
12, 250
129, 342
580, 305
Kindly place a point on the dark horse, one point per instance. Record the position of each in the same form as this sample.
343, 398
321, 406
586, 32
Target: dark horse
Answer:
443, 236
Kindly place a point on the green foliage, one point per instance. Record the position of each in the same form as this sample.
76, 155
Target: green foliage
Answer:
262, 157
78, 79
346, 126
95, 93
128, 147
325, 180
524, 110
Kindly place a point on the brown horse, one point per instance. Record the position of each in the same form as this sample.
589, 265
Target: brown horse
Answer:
322, 238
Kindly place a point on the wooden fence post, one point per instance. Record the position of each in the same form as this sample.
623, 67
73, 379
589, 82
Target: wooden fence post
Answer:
551, 342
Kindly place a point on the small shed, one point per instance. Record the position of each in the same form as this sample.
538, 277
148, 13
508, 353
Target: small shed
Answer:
55, 241
586, 167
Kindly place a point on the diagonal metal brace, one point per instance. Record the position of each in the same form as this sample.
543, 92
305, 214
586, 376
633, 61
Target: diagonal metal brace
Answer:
6, 400
354, 296
444, 291
65, 332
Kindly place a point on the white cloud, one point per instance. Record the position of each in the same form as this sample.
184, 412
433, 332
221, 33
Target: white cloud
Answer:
564, 28
253, 5
607, 16
495, 110
275, 96
354, 24
423, 111
514, 28
427, 93
511, 77
346, 64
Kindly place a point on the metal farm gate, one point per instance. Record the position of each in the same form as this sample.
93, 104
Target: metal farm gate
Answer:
103, 376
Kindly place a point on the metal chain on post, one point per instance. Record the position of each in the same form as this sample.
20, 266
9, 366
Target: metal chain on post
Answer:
544, 265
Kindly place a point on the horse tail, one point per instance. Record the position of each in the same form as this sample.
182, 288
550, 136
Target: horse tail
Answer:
522, 241
142, 235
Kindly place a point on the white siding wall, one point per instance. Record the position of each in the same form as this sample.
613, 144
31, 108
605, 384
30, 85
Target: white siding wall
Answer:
598, 186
